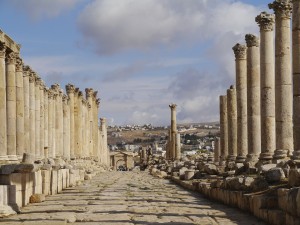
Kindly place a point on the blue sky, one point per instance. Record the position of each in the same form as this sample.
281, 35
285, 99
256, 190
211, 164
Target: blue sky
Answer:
141, 55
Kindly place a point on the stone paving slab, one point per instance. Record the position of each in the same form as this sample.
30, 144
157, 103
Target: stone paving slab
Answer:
128, 198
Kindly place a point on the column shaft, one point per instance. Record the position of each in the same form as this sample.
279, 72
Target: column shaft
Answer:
37, 118
46, 123
42, 120
26, 73
223, 129
232, 124
70, 91
66, 127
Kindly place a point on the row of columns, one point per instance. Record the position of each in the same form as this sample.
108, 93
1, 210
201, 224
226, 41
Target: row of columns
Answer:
43, 121
259, 117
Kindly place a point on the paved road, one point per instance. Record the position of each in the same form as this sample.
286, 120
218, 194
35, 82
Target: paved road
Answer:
128, 198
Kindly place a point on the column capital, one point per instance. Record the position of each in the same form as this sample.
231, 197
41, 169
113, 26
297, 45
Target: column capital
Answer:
172, 106
2, 49
38, 81
42, 85
103, 120
252, 40
11, 58
282, 8
95, 94
84, 102
265, 21
70, 88
51, 94
65, 98
32, 76
89, 105
98, 102
19, 64
89, 92
240, 51
55, 87
46, 90
79, 93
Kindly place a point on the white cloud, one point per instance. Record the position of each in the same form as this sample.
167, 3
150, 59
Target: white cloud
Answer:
114, 26
37, 9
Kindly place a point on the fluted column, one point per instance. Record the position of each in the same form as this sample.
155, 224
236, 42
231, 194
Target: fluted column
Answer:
232, 124
296, 78
66, 127
267, 80
42, 124
20, 108
37, 118
173, 131
223, 129
70, 91
283, 80
240, 52
11, 100
26, 73
253, 96
46, 122
3, 117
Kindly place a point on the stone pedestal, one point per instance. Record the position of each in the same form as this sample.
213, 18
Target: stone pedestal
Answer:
253, 96
283, 80
240, 52
266, 23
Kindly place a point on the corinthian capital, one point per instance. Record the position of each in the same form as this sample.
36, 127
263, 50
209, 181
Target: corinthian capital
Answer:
70, 88
89, 92
282, 8
172, 106
265, 21
19, 64
26, 70
11, 58
2, 49
32, 76
240, 51
98, 102
252, 40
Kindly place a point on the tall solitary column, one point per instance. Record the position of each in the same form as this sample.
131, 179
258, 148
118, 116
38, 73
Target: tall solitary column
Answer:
283, 80
253, 96
37, 118
223, 130
240, 52
296, 79
11, 106
267, 80
3, 117
232, 124
32, 112
26, 73
173, 131
70, 91
20, 108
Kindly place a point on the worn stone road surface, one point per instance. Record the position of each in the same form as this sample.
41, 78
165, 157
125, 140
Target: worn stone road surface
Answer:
128, 198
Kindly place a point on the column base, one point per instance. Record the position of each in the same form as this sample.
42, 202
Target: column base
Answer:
280, 155
296, 155
231, 158
265, 157
3, 158
240, 159
12, 157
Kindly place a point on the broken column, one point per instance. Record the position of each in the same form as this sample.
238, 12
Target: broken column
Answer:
283, 80
253, 96
223, 130
232, 124
240, 52
266, 24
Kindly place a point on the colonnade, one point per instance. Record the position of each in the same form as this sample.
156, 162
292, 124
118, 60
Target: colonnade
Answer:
260, 124
45, 122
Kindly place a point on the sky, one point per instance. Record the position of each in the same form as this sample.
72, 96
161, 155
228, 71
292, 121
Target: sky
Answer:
140, 55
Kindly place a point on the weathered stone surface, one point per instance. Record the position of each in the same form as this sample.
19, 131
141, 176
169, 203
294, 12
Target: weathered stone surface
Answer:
211, 169
25, 168
7, 169
37, 198
28, 158
274, 175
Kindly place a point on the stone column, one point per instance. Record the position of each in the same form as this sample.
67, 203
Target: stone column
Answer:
296, 79
95, 124
37, 118
79, 124
89, 96
232, 124
253, 96
178, 146
3, 117
32, 111
223, 130
267, 80
66, 127
11, 100
283, 80
51, 123
173, 131
42, 121
104, 144
217, 151
20, 109
70, 88
46, 122
240, 52
97, 127
26, 73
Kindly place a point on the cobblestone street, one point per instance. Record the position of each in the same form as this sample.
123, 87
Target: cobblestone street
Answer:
128, 198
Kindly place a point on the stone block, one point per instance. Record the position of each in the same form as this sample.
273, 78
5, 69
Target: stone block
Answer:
189, 174
53, 184
7, 169
294, 178
46, 180
37, 198
59, 181
274, 175
282, 194
292, 201
276, 217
